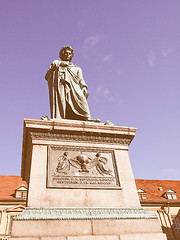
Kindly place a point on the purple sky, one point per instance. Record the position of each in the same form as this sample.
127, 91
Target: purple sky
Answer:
129, 52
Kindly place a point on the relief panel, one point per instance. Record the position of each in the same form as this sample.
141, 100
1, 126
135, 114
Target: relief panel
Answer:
76, 167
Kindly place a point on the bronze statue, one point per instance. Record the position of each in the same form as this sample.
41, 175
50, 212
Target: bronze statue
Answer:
67, 88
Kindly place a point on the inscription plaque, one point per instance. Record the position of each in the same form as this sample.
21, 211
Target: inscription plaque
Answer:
76, 167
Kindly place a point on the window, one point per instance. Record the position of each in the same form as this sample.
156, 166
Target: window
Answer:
170, 194
141, 194
174, 196
21, 192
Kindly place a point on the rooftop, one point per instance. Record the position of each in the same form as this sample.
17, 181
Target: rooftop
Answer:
8, 185
155, 189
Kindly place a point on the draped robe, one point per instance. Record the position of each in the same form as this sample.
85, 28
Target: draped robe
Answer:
65, 91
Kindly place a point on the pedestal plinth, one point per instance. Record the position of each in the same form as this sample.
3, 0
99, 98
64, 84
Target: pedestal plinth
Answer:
80, 184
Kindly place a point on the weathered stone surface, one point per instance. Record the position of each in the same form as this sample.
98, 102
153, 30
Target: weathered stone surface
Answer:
97, 185
148, 236
80, 212
38, 238
72, 167
125, 226
51, 228
83, 213
91, 237
121, 237
54, 228
102, 237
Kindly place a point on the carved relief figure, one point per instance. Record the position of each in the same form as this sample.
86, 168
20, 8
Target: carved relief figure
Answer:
67, 88
83, 163
100, 163
63, 164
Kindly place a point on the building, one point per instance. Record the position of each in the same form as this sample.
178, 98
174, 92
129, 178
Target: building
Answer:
160, 197
13, 193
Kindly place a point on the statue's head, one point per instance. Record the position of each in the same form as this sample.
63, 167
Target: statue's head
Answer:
66, 53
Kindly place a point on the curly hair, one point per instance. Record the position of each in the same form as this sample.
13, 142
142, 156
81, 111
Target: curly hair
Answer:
61, 53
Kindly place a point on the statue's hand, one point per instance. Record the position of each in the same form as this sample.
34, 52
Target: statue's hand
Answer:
86, 94
55, 65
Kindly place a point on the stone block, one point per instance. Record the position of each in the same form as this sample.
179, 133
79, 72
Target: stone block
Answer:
39, 238
155, 236
125, 226
92, 237
51, 228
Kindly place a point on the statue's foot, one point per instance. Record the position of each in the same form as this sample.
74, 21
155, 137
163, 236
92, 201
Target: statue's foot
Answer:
93, 120
109, 123
45, 117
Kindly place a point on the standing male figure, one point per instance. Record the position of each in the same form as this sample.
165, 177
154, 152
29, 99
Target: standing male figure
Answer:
67, 88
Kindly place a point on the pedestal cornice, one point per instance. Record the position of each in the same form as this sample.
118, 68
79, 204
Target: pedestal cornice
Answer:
83, 213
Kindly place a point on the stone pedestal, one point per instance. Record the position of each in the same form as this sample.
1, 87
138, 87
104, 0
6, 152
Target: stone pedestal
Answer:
81, 185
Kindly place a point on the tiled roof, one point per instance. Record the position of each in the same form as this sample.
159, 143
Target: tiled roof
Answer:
153, 193
8, 185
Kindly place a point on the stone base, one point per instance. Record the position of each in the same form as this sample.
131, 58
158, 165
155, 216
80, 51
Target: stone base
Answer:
156, 236
86, 224
78, 200
83, 185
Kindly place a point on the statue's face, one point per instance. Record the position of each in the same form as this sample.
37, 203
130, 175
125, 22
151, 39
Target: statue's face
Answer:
67, 55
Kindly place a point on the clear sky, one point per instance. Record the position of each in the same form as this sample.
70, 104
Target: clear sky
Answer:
129, 51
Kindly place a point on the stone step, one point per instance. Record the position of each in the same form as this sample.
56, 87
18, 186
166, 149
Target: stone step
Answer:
155, 236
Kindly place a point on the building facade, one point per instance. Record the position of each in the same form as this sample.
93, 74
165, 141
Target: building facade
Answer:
13, 194
160, 197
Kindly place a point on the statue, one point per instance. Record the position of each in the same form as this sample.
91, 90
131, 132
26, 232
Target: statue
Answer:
67, 88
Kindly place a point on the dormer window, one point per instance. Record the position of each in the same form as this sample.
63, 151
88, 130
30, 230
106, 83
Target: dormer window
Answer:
21, 192
141, 194
170, 194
